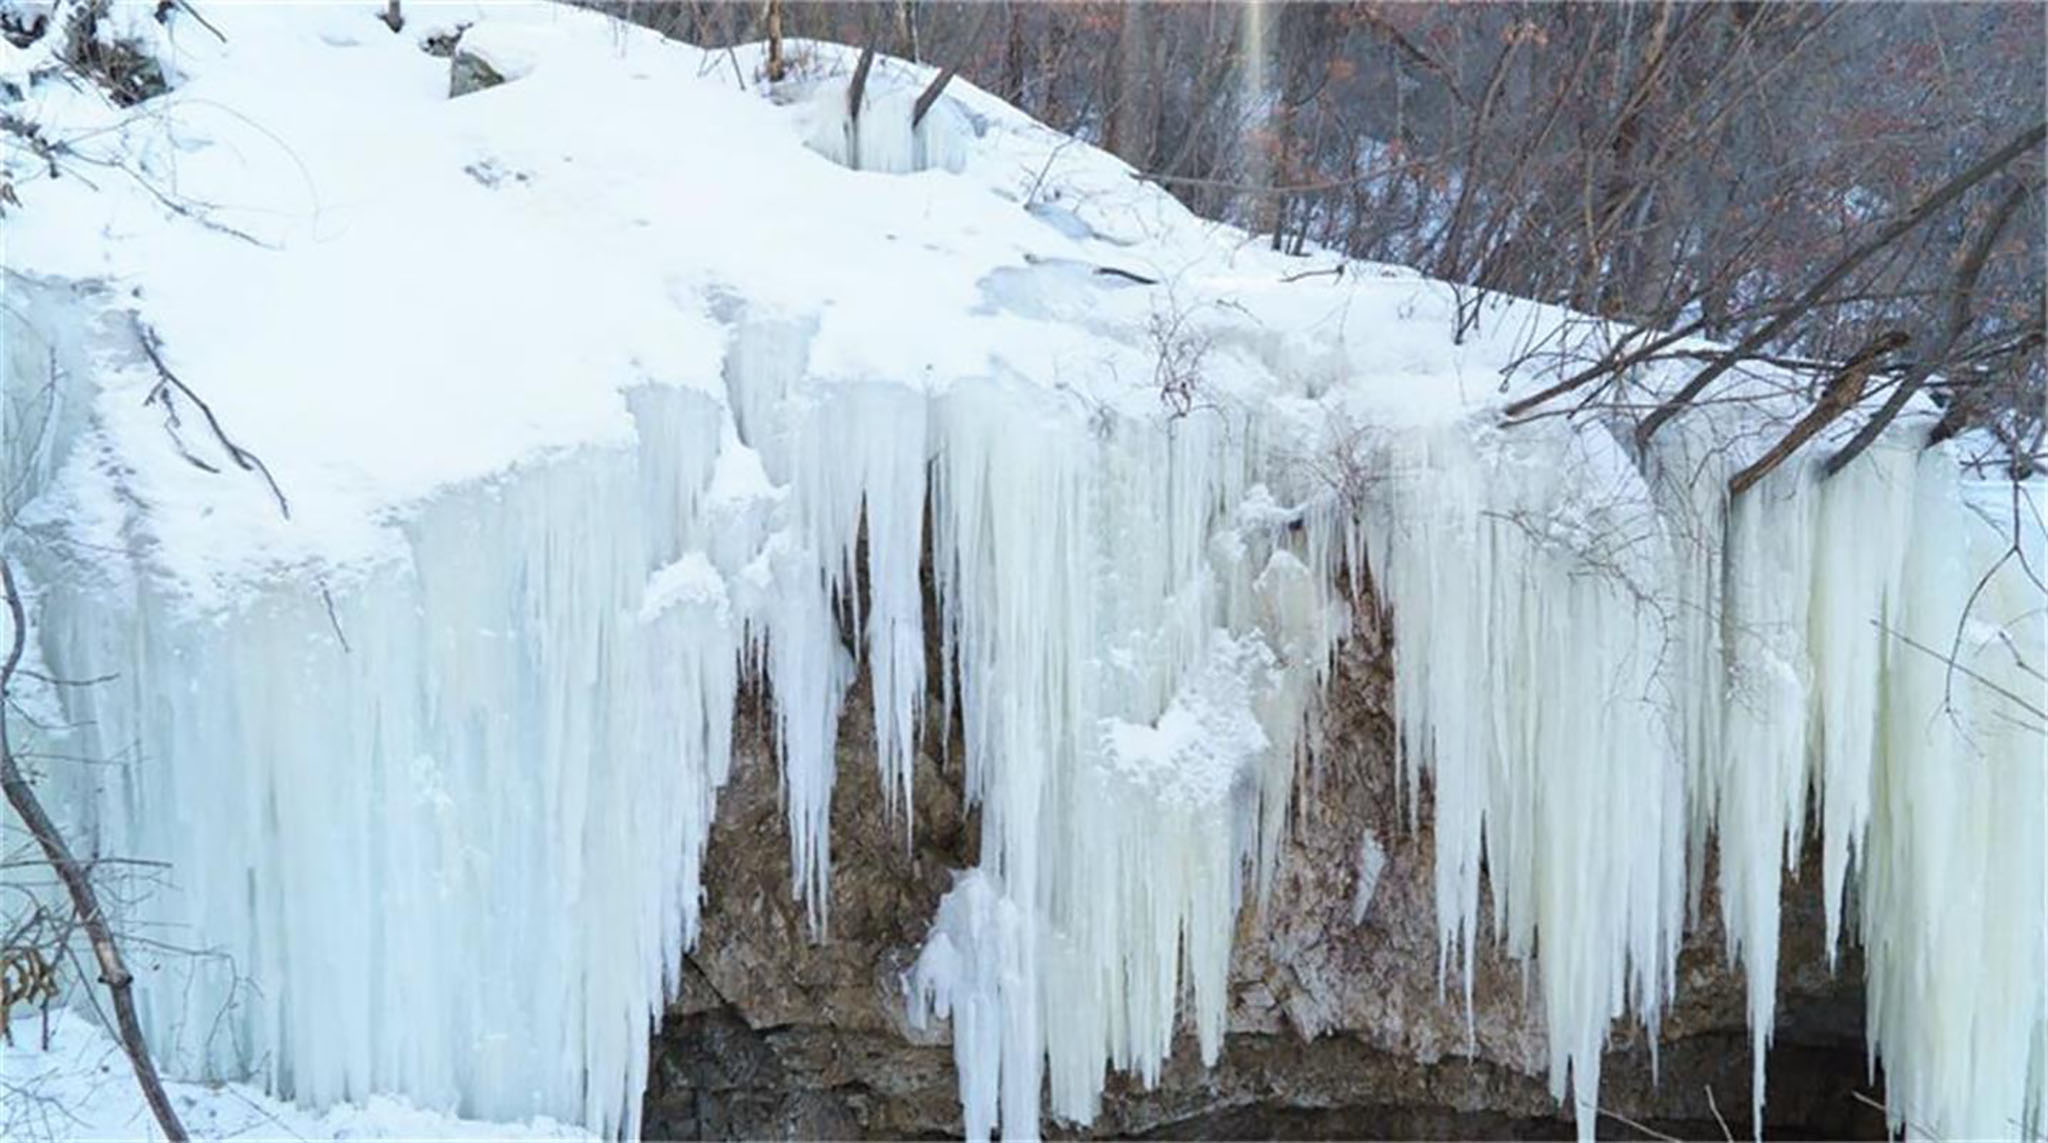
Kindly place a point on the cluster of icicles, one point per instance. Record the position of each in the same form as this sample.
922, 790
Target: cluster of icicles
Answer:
458, 857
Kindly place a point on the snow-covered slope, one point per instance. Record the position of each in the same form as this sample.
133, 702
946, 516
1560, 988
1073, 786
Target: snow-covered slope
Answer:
538, 419
80, 1087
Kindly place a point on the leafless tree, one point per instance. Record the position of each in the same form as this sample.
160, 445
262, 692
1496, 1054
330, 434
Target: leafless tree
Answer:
1685, 170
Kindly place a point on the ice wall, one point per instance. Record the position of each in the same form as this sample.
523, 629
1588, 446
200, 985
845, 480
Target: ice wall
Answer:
435, 823
436, 831
1602, 676
430, 775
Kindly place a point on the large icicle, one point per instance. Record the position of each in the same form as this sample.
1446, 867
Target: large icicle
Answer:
1955, 865
1588, 682
1526, 653
1761, 783
1135, 661
1865, 531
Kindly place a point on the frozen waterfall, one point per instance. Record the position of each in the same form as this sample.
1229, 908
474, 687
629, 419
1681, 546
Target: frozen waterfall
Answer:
437, 824
424, 774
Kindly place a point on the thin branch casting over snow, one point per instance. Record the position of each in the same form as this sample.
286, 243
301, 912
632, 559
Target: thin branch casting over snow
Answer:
160, 394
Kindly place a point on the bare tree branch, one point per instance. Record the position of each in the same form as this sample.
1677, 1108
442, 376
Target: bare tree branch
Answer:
244, 459
84, 899
1960, 316
1838, 398
930, 94
859, 85
1945, 194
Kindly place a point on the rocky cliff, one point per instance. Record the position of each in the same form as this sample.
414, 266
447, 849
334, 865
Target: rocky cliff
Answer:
1339, 1025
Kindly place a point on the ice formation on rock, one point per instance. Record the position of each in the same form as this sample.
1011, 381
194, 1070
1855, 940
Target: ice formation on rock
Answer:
1591, 681
433, 762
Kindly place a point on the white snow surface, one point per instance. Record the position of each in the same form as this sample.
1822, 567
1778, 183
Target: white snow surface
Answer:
589, 396
81, 1088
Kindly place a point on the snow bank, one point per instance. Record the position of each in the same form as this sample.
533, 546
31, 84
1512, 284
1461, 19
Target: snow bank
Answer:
81, 1088
585, 398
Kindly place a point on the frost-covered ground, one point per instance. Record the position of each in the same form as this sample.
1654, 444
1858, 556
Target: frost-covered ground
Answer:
82, 1089
538, 419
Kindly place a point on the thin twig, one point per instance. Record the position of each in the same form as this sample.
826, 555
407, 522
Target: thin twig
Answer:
57, 682
1336, 271
1644, 1128
1867, 1101
1966, 672
1727, 1136
243, 458
186, 7
334, 620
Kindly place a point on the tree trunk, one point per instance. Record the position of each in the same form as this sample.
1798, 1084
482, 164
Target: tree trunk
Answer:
1114, 95
1013, 55
1051, 55
906, 31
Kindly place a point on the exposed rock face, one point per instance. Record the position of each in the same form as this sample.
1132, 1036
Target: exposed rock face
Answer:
469, 72
1337, 1029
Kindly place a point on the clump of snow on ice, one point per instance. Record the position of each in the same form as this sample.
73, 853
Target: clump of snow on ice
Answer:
690, 581
1201, 747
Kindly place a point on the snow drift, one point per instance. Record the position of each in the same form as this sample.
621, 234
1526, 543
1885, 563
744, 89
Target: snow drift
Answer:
583, 400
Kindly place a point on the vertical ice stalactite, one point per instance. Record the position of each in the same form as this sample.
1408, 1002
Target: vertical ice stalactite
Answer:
443, 840
860, 481
1691, 501
1955, 871
795, 581
689, 657
1792, 643
796, 647
1136, 658
1865, 531
1521, 573
1760, 810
